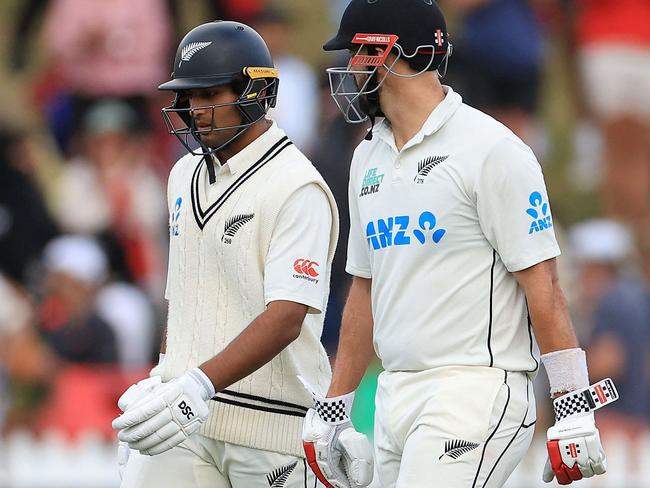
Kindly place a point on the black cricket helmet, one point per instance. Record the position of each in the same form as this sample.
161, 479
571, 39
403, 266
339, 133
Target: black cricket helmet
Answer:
216, 54
414, 30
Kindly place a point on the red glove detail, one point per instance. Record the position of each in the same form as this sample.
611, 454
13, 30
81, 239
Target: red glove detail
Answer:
563, 473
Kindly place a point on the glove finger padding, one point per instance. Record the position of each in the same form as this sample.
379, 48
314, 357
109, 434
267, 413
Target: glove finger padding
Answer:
158, 437
548, 475
599, 464
173, 441
564, 467
144, 429
137, 391
576, 458
356, 453
123, 452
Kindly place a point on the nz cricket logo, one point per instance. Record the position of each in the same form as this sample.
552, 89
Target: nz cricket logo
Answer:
456, 448
233, 224
191, 49
426, 165
278, 478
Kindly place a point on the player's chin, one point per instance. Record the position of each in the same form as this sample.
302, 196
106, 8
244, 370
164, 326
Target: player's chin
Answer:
216, 139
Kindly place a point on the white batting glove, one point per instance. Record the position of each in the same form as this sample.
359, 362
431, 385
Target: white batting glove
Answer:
131, 396
574, 447
167, 415
339, 456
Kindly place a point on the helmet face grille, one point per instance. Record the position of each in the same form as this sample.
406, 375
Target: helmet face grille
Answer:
350, 86
258, 96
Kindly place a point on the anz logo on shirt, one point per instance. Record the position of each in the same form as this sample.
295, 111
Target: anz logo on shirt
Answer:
175, 217
540, 213
396, 231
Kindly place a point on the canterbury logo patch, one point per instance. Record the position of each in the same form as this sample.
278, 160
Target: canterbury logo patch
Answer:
233, 224
191, 49
278, 478
306, 270
426, 165
456, 448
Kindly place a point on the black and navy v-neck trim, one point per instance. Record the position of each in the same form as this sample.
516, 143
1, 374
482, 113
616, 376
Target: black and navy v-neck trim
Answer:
203, 216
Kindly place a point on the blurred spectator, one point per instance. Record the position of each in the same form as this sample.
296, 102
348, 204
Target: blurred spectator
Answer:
297, 109
599, 249
497, 59
111, 191
15, 319
115, 48
76, 267
25, 223
613, 42
239, 10
128, 311
619, 349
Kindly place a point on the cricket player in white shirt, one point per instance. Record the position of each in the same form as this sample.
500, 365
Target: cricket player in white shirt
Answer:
253, 228
452, 250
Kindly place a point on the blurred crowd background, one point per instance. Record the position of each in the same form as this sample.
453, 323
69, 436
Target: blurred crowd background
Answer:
84, 157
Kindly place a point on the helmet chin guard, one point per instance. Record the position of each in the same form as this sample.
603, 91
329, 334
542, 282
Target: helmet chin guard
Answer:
259, 94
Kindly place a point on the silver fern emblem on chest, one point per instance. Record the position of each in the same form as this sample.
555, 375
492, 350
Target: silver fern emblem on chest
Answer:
233, 224
456, 448
191, 49
278, 478
426, 165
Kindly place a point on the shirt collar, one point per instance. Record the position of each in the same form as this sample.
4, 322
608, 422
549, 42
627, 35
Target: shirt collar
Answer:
253, 152
438, 117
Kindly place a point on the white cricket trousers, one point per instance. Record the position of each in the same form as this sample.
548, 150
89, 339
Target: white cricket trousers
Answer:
452, 427
200, 462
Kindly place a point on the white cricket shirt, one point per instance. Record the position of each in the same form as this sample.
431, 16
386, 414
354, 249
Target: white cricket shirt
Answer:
439, 226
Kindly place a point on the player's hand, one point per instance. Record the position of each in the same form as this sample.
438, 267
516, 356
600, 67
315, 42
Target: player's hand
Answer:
167, 415
574, 447
133, 394
339, 456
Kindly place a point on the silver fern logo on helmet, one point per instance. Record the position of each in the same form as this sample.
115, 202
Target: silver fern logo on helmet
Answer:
191, 49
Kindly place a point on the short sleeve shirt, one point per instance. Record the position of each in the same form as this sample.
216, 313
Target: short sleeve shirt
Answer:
295, 267
439, 227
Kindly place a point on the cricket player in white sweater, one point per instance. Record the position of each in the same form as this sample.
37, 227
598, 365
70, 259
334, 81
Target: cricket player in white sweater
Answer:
253, 228
452, 249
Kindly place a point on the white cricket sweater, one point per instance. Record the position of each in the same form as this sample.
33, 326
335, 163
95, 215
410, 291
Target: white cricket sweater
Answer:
219, 237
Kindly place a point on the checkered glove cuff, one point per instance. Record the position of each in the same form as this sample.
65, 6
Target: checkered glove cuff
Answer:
586, 400
335, 410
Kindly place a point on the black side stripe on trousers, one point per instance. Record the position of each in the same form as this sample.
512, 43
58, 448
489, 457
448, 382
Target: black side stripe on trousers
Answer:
202, 217
254, 402
512, 439
514, 436
503, 413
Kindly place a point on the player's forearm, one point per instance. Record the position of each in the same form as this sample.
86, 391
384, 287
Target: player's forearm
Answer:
266, 336
355, 350
547, 307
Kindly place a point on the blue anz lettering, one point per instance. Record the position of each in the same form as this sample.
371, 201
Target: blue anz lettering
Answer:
382, 233
401, 239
